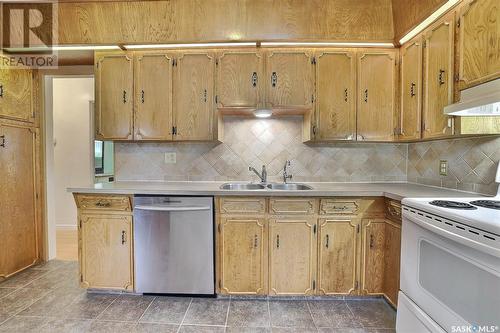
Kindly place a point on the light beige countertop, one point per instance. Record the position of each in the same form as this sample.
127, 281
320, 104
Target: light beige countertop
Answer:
396, 191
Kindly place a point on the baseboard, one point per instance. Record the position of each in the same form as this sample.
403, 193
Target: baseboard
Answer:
66, 227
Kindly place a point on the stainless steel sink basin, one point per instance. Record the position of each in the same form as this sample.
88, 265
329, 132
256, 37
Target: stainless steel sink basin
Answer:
242, 186
289, 187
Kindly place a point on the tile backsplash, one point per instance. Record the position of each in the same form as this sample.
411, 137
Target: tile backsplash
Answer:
254, 142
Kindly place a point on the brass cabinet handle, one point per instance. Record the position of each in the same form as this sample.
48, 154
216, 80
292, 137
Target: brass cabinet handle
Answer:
441, 76
254, 79
327, 240
2, 141
314, 129
103, 204
124, 237
345, 94
277, 241
366, 95
142, 96
371, 242
1, 90
255, 241
274, 79
412, 89
124, 97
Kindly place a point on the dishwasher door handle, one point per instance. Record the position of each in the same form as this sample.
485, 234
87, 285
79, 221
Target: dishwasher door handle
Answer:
163, 208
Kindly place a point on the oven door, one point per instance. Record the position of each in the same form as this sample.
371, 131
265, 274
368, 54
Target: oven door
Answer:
455, 284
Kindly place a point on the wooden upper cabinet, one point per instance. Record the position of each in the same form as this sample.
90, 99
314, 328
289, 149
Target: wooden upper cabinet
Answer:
153, 96
373, 253
338, 260
290, 79
292, 256
114, 96
243, 255
411, 90
106, 251
438, 77
240, 79
335, 95
194, 96
479, 42
16, 94
18, 235
376, 95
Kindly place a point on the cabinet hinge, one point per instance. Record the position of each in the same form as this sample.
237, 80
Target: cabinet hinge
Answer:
216, 62
314, 284
97, 65
313, 60
357, 228
220, 284
81, 277
314, 228
457, 77
219, 228
458, 23
424, 44
80, 224
216, 99
174, 62
312, 98
174, 130
356, 285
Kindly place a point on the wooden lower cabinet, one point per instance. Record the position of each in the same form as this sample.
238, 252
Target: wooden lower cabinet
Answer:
292, 255
105, 250
243, 255
338, 256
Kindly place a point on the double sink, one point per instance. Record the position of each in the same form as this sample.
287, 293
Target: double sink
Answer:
271, 186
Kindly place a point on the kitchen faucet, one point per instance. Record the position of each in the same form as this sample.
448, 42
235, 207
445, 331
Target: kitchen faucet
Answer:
286, 176
262, 175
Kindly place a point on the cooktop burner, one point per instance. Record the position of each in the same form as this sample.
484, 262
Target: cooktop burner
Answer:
487, 204
452, 204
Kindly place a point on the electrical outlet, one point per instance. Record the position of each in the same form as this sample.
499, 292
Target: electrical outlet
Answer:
443, 168
170, 158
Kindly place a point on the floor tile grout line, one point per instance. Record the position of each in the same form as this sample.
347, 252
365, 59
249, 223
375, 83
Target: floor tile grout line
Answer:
227, 313
100, 314
149, 305
310, 313
185, 314
24, 308
269, 313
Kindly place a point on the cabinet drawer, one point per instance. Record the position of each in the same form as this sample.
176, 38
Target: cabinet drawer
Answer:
339, 207
292, 206
241, 205
103, 202
393, 209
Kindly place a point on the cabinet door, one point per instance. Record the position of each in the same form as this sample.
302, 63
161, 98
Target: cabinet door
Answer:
376, 95
292, 256
153, 96
392, 261
114, 100
411, 90
479, 43
194, 96
106, 251
240, 79
438, 78
373, 251
335, 89
16, 94
18, 242
290, 79
243, 255
338, 248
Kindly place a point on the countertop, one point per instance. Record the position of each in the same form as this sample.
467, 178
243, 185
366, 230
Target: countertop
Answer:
396, 191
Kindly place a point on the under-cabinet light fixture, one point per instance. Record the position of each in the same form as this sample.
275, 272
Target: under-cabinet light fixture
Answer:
263, 113
178, 46
342, 44
62, 48
425, 23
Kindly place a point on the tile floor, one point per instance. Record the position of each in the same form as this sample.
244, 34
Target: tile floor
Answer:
47, 298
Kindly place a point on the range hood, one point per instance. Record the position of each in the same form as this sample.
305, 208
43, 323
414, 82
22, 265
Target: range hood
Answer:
482, 100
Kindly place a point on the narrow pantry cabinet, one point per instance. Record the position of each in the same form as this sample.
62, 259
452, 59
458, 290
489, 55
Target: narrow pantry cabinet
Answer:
194, 96
16, 94
114, 82
376, 118
153, 96
240, 79
290, 77
438, 77
479, 42
338, 255
411, 90
335, 95
105, 242
18, 190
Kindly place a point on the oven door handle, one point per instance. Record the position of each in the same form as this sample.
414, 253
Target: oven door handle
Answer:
165, 208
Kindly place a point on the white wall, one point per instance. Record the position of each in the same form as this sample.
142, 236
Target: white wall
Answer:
72, 164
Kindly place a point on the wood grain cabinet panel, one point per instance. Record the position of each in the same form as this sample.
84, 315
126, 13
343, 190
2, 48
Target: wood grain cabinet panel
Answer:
338, 259
411, 90
290, 79
438, 77
106, 251
114, 96
479, 42
376, 118
335, 95
240, 79
242, 205
292, 256
392, 261
243, 255
18, 222
153, 96
194, 96
16, 94
373, 252
292, 206
330, 206
103, 202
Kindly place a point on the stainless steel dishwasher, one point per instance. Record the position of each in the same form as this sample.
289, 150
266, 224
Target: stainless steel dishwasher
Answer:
174, 245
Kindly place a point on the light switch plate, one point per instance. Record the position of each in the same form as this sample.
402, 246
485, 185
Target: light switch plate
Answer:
170, 158
443, 168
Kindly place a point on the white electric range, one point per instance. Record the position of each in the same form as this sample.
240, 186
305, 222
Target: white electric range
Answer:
450, 265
